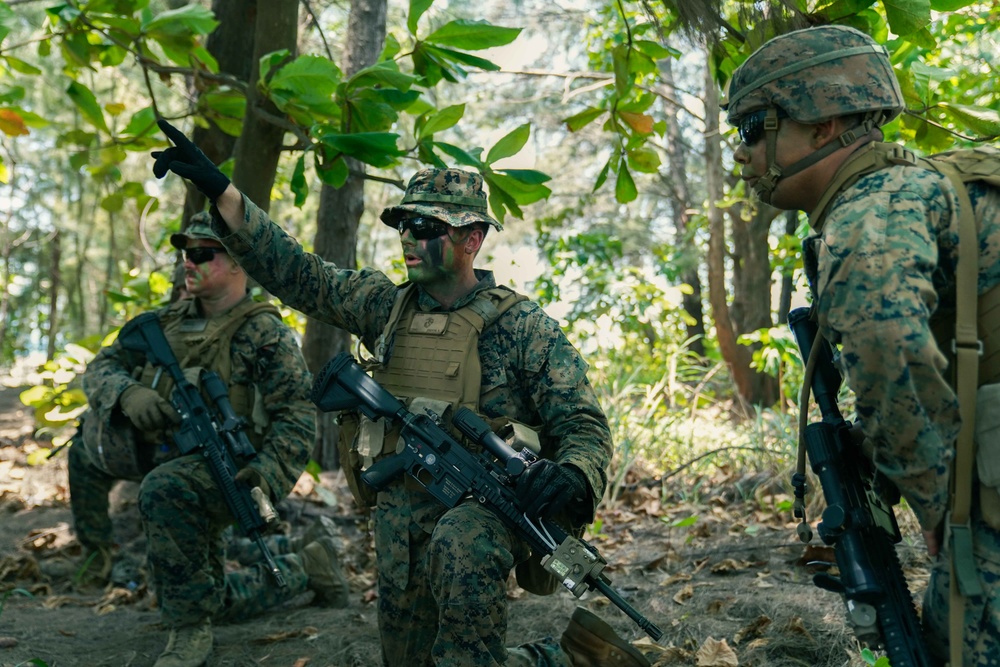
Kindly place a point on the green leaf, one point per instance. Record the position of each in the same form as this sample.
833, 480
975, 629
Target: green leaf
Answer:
528, 176
36, 395
657, 51
907, 16
186, 20
141, 123
308, 82
375, 148
299, 185
842, 8
603, 176
685, 522
472, 35
417, 9
950, 5
334, 174
625, 190
644, 159
981, 121
113, 202
623, 80
469, 159
440, 121
510, 144
465, 58
520, 192
87, 104
586, 117
21, 66
385, 74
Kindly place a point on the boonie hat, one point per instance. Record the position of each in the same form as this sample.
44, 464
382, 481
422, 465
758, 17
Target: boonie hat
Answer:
199, 227
454, 196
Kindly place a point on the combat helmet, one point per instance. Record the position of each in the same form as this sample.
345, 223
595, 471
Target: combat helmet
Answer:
813, 75
816, 74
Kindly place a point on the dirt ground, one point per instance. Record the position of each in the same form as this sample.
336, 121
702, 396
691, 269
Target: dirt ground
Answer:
725, 579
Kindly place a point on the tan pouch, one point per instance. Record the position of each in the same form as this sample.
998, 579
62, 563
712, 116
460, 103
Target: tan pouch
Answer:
351, 461
988, 452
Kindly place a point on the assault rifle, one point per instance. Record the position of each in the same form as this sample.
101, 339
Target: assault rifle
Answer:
858, 521
219, 434
451, 473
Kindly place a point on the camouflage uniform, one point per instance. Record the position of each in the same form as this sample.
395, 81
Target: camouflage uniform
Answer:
442, 573
881, 263
186, 555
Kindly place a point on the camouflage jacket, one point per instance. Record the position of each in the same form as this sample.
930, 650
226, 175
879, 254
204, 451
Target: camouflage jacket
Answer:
531, 372
265, 355
883, 264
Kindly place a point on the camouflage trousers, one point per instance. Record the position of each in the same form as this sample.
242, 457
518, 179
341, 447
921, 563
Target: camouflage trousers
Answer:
184, 515
982, 613
442, 585
89, 487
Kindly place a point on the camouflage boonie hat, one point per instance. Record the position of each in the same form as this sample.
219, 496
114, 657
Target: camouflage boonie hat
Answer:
453, 196
199, 227
816, 74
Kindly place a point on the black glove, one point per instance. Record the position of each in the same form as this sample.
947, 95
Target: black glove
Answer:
546, 487
186, 160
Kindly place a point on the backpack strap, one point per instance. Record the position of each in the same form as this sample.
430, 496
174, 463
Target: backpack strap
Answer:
967, 348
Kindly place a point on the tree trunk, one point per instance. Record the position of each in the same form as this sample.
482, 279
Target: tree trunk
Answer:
737, 357
751, 309
339, 214
680, 204
232, 45
787, 277
259, 145
55, 271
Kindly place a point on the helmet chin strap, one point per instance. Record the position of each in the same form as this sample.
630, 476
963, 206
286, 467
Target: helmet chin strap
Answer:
764, 187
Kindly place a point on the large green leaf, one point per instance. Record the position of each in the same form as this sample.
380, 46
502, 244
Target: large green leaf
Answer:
382, 74
625, 190
465, 58
521, 192
87, 104
299, 184
469, 158
141, 123
439, 120
308, 82
19, 65
186, 20
981, 121
950, 5
510, 144
375, 148
839, 9
907, 16
582, 119
472, 35
417, 9
7, 20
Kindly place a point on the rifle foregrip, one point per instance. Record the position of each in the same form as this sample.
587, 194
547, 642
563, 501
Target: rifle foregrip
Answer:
382, 473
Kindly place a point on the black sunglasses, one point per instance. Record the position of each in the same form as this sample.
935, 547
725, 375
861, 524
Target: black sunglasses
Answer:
751, 126
423, 229
202, 254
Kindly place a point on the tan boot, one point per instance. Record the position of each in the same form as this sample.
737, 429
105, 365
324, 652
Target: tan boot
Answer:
188, 646
326, 578
590, 642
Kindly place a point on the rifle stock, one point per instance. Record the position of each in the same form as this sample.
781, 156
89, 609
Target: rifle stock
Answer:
858, 521
218, 440
451, 473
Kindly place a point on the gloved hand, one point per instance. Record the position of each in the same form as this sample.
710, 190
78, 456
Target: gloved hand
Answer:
146, 409
186, 160
252, 478
546, 487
